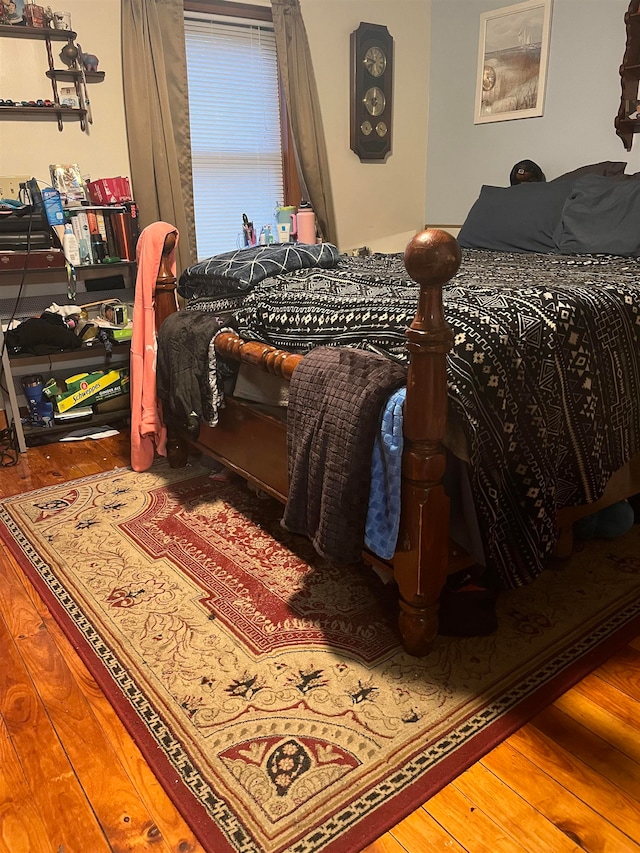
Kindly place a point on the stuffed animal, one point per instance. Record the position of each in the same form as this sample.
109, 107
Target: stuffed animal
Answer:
89, 60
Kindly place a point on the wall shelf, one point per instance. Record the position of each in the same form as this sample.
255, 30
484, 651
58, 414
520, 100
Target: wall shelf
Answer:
43, 112
83, 353
74, 74
43, 33
45, 260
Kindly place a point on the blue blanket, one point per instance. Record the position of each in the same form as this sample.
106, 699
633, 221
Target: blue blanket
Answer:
383, 514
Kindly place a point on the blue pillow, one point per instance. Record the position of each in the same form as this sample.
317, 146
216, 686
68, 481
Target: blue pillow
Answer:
607, 169
522, 218
600, 215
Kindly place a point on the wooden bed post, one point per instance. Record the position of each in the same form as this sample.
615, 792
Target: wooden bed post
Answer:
165, 293
166, 303
420, 563
432, 258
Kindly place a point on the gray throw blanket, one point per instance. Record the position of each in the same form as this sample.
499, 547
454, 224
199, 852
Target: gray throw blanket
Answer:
336, 396
187, 378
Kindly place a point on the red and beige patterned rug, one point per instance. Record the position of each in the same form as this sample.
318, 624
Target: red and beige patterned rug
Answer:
272, 684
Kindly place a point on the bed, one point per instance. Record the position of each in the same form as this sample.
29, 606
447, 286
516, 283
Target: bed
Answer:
530, 376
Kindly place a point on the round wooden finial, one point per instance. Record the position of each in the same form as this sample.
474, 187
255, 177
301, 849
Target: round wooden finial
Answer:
432, 257
165, 266
169, 243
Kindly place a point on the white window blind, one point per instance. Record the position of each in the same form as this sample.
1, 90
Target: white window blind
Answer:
235, 128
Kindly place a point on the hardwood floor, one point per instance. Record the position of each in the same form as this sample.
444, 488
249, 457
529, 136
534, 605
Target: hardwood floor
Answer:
73, 781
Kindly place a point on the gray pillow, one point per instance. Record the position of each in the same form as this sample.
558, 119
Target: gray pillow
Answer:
522, 218
607, 168
600, 215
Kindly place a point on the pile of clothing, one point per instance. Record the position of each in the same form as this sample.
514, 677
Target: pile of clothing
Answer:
43, 335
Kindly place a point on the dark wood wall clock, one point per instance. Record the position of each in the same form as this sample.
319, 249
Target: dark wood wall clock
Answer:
371, 91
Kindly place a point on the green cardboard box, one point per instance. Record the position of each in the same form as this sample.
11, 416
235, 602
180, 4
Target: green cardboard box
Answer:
87, 388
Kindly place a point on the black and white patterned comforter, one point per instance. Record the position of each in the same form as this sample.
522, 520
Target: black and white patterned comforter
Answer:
544, 372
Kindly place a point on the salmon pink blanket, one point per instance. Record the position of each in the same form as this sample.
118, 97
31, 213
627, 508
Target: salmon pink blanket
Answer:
148, 432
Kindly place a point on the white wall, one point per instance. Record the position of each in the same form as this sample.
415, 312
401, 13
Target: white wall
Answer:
378, 204
436, 46
582, 100
28, 146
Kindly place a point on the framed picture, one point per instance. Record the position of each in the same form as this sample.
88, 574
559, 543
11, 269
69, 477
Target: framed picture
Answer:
512, 61
13, 11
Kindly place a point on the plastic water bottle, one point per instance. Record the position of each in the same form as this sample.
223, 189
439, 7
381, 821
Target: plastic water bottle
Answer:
70, 246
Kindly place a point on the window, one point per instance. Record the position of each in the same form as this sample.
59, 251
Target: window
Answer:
236, 141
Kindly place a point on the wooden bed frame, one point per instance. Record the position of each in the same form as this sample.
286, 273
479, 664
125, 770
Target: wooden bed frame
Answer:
250, 439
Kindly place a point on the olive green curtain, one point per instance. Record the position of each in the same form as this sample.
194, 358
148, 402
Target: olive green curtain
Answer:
157, 116
296, 69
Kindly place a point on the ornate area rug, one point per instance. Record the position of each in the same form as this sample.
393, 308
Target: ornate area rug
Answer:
266, 687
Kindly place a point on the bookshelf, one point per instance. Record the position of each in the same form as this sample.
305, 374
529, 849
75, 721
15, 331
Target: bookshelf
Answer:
105, 231
32, 281
27, 290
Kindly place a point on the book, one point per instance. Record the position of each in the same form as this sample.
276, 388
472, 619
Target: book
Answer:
73, 414
112, 247
102, 230
126, 252
75, 224
92, 221
80, 224
133, 224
